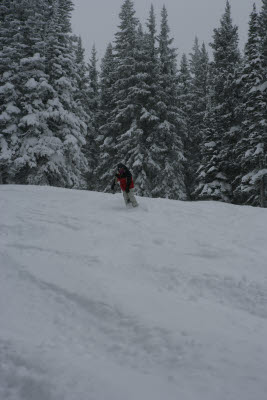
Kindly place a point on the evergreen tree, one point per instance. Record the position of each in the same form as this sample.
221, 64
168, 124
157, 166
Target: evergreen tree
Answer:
10, 55
220, 165
185, 104
126, 109
34, 91
65, 165
106, 84
201, 78
120, 132
142, 98
251, 148
106, 106
93, 79
185, 87
194, 57
42, 127
146, 165
137, 148
84, 91
83, 99
94, 105
199, 67
169, 136
263, 34
192, 88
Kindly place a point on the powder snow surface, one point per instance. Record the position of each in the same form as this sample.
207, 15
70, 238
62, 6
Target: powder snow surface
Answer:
98, 302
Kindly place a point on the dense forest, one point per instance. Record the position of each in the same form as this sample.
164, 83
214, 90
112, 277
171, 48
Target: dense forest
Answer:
193, 131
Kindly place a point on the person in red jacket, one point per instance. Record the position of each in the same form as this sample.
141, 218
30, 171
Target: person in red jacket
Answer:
124, 177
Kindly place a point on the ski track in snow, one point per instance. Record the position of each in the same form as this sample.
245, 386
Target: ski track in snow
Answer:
98, 302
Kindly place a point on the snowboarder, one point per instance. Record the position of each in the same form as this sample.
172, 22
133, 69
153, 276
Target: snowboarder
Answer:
124, 177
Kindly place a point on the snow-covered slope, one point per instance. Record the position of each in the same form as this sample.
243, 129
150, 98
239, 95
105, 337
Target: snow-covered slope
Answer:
98, 302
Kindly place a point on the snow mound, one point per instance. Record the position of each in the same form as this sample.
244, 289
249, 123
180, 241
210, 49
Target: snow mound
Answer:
99, 302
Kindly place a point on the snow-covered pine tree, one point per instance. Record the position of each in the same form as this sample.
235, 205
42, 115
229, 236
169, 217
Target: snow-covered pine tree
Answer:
106, 84
129, 90
11, 51
184, 87
263, 33
201, 78
251, 148
83, 93
199, 68
209, 149
94, 107
169, 136
143, 97
107, 126
120, 133
194, 57
34, 91
220, 166
93, 79
140, 94
66, 164
185, 104
146, 166
83, 98
42, 131
106, 105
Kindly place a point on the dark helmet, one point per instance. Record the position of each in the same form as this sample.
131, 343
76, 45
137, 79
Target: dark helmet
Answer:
120, 165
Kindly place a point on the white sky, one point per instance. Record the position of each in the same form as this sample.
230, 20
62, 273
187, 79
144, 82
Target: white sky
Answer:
97, 20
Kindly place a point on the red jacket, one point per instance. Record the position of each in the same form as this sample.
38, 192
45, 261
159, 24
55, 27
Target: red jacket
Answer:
123, 181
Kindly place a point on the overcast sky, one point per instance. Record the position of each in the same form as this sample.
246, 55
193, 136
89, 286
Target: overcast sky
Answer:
97, 20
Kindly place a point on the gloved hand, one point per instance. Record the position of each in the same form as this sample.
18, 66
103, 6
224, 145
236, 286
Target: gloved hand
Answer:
127, 190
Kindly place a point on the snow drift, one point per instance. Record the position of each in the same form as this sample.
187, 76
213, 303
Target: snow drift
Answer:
99, 302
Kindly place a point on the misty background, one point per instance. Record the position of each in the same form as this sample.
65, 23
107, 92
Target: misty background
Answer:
97, 20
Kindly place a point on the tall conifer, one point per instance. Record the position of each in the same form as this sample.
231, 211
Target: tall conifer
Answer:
219, 170
263, 34
199, 67
251, 148
120, 131
185, 104
11, 53
83, 99
93, 79
169, 136
66, 165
